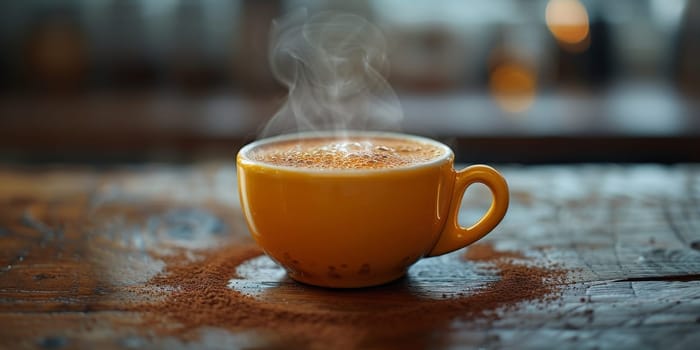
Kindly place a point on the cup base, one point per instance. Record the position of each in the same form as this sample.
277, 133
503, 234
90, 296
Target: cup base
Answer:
346, 283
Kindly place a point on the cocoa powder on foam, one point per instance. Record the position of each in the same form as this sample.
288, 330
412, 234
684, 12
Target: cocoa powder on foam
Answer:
195, 294
347, 153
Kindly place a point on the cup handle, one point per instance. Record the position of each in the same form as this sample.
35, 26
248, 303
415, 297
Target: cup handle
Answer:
453, 235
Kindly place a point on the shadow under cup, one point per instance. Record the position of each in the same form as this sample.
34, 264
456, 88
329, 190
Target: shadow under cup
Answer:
348, 228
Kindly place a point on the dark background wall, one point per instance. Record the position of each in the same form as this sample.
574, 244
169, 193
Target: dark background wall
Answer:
501, 81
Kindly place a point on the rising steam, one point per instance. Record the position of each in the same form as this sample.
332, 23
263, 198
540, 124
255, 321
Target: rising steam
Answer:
331, 64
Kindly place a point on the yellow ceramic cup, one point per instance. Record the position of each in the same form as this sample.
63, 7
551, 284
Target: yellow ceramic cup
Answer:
356, 228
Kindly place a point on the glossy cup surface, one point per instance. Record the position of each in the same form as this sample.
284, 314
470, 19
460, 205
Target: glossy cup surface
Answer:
346, 228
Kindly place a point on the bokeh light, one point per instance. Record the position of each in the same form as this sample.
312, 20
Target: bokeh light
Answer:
513, 86
567, 20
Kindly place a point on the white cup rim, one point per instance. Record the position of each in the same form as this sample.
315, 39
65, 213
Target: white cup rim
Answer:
245, 159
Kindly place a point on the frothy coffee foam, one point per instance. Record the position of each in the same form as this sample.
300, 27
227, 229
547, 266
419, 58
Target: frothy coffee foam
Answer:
347, 153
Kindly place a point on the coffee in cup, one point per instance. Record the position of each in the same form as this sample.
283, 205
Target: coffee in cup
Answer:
346, 153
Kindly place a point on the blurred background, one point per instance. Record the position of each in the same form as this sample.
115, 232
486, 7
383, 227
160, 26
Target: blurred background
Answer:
538, 81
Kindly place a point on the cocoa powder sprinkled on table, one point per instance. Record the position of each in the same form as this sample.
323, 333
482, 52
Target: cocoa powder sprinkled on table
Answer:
195, 294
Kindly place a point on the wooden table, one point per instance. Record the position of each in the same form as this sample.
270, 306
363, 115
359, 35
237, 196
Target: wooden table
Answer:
80, 249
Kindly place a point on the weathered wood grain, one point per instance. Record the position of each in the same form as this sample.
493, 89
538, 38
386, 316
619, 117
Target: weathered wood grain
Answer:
630, 235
